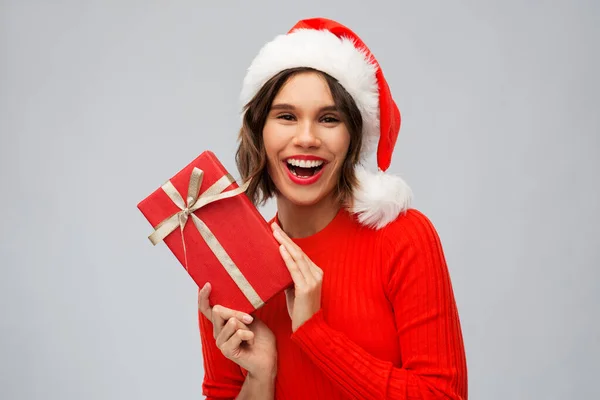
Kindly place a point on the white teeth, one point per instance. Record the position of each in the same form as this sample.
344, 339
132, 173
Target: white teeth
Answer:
304, 163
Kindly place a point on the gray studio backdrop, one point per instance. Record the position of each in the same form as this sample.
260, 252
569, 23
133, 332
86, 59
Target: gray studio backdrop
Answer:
101, 101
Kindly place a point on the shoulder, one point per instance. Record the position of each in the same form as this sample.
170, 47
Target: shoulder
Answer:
411, 248
411, 236
411, 225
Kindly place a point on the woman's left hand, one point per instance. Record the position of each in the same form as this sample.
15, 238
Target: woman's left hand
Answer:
304, 299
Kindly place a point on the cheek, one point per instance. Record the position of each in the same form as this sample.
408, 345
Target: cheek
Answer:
269, 141
272, 148
341, 144
272, 155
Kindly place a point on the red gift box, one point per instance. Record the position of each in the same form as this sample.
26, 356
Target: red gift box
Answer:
224, 241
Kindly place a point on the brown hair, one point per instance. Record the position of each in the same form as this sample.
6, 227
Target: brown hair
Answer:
251, 157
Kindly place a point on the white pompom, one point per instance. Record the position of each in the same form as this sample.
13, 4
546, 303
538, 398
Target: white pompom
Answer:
379, 198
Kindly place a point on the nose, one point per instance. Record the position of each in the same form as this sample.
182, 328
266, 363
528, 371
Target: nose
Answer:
305, 136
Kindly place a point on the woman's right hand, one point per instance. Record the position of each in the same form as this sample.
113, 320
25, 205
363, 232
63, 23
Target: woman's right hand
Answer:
241, 338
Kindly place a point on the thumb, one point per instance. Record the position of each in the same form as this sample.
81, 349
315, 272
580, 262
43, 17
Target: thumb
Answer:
290, 296
290, 293
203, 302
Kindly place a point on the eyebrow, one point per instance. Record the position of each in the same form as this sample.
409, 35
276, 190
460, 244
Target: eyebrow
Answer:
286, 106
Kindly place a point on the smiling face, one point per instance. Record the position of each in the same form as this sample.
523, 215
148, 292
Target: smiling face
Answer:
305, 140
298, 94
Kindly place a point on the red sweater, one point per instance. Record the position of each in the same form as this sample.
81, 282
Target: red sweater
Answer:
388, 327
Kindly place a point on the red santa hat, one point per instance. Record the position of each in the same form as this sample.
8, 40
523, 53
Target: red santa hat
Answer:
332, 48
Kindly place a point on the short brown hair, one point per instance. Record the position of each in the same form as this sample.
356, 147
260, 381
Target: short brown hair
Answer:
251, 157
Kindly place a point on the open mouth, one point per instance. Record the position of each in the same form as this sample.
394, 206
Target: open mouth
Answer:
304, 168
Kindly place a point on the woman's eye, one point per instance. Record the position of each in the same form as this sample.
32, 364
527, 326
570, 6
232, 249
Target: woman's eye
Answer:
330, 119
287, 117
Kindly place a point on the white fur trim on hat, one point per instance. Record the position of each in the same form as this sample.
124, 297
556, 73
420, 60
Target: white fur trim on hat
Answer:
323, 51
379, 198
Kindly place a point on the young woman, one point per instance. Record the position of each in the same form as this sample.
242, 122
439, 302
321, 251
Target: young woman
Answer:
372, 313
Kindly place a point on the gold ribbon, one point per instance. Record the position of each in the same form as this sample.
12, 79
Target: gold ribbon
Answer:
193, 203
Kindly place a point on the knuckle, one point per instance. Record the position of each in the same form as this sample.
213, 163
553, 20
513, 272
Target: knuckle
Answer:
303, 291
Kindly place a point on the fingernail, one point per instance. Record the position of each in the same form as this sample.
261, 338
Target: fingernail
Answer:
247, 319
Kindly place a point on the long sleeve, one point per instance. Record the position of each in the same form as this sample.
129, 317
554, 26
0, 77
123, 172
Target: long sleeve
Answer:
428, 329
223, 379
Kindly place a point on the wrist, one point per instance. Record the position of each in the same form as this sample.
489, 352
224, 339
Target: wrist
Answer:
262, 384
318, 314
264, 375
259, 385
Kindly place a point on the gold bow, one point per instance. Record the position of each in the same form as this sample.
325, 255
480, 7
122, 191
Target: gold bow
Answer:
195, 202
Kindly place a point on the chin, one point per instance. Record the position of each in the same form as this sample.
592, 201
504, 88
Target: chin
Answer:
303, 197
303, 201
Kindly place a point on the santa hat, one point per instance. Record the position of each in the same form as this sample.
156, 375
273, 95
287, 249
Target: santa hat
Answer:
332, 48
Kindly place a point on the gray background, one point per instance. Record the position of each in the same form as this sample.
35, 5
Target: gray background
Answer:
101, 101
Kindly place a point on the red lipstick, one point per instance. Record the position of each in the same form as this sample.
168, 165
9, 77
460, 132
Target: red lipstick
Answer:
308, 180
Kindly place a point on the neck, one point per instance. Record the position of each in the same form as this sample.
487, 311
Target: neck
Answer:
301, 221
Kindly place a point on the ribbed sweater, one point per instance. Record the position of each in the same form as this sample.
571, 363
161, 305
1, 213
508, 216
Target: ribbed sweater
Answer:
388, 327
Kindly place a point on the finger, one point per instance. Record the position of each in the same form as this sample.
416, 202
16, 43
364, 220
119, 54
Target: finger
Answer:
295, 254
295, 272
203, 302
220, 315
231, 347
303, 264
305, 267
316, 272
290, 296
229, 329
295, 251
